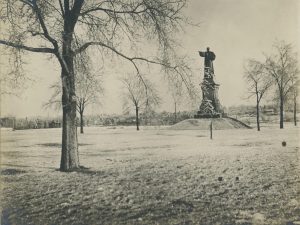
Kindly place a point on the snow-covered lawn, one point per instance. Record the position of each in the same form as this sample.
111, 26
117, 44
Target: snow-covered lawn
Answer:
154, 176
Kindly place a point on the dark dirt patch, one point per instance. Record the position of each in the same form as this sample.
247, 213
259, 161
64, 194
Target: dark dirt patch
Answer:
11, 154
182, 205
8, 140
12, 171
252, 144
201, 135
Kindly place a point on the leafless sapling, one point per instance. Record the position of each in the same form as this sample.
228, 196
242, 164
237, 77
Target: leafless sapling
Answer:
139, 94
258, 84
88, 86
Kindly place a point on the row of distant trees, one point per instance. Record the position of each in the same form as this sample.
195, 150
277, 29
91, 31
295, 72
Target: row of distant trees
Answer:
146, 118
245, 113
150, 118
277, 75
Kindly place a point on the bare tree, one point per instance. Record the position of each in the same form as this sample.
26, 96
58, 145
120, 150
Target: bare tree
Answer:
140, 94
295, 82
258, 83
88, 86
291, 98
177, 93
184, 96
282, 68
66, 28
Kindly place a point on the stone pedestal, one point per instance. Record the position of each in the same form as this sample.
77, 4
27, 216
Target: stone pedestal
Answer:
210, 106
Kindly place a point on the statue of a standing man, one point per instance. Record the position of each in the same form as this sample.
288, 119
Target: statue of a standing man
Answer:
209, 57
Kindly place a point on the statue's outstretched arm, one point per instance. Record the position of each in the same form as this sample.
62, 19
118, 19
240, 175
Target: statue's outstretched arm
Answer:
202, 54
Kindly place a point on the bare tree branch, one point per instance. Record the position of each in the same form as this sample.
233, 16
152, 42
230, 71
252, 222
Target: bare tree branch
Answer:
27, 48
132, 11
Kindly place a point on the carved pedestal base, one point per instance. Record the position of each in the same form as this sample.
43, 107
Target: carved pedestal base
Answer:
210, 106
208, 110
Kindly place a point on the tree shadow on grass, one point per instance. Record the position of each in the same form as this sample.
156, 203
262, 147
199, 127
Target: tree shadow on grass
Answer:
58, 145
11, 171
85, 170
26, 166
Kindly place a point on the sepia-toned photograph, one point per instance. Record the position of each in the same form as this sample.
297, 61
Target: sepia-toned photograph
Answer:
149, 112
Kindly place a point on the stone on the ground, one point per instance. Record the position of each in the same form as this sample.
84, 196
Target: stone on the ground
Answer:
258, 219
294, 203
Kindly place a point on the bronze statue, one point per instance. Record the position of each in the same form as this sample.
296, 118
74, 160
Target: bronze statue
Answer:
210, 105
209, 57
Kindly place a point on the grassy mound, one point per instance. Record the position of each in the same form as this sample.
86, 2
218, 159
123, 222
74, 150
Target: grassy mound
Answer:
203, 124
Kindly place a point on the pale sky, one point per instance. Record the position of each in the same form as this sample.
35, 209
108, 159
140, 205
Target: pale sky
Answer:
234, 29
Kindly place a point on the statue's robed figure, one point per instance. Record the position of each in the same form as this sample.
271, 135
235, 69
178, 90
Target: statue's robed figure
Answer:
209, 57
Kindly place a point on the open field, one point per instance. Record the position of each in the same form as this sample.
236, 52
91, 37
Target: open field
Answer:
154, 176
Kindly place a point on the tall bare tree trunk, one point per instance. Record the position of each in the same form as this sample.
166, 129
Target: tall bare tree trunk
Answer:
175, 113
295, 111
14, 124
81, 122
69, 156
257, 114
281, 111
137, 118
210, 128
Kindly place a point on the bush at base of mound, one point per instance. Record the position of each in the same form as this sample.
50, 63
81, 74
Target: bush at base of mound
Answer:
204, 123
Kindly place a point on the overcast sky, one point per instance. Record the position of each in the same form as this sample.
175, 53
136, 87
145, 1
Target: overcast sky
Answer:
234, 29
